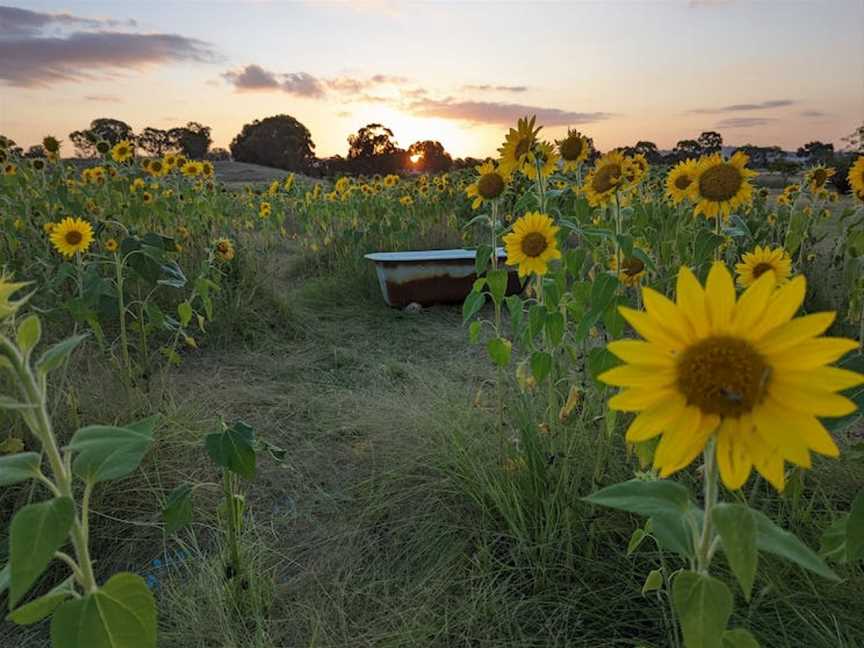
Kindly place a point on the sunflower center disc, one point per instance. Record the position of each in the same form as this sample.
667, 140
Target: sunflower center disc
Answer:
682, 182
534, 244
606, 178
632, 266
723, 375
720, 183
819, 177
571, 148
74, 237
523, 147
490, 185
761, 268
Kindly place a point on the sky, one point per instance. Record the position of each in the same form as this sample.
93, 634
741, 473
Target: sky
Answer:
775, 72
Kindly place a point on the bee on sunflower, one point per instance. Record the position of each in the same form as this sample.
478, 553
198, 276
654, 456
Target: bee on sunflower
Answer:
122, 151
517, 152
490, 184
856, 178
71, 236
606, 178
574, 150
761, 260
532, 244
817, 176
679, 179
721, 185
742, 377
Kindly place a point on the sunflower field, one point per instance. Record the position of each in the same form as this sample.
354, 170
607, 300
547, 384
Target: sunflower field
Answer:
656, 442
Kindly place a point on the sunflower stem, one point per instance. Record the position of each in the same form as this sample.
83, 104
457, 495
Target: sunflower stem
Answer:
703, 551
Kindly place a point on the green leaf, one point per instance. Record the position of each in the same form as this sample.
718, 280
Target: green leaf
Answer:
653, 582
648, 498
555, 328
57, 354
636, 539
737, 530
474, 331
600, 360
234, 449
541, 365
773, 539
706, 242
184, 311
497, 282
499, 350
536, 319
472, 305
121, 614
18, 467
108, 452
673, 530
29, 334
178, 509
42, 607
37, 531
855, 529
704, 605
739, 638
481, 261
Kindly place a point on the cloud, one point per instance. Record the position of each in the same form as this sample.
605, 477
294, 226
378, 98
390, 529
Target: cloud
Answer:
813, 113
745, 122
773, 103
489, 112
252, 77
103, 98
303, 84
494, 88
35, 49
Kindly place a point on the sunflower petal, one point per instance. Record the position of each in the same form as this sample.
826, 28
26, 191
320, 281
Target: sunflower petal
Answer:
772, 426
831, 379
666, 313
678, 440
733, 456
635, 376
720, 297
649, 329
812, 353
691, 301
782, 307
795, 332
655, 419
811, 401
707, 426
635, 400
641, 353
752, 304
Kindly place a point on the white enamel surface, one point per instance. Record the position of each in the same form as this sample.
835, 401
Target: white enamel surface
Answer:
427, 255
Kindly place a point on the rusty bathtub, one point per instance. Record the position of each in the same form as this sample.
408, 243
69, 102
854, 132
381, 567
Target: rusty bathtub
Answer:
431, 276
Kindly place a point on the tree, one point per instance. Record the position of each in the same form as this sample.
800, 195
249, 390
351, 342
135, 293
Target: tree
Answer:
155, 141
193, 140
279, 141
431, 157
218, 154
104, 128
762, 156
687, 149
816, 151
710, 142
649, 150
36, 151
855, 140
372, 149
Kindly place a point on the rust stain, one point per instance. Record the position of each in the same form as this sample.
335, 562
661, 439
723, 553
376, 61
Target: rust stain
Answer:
440, 289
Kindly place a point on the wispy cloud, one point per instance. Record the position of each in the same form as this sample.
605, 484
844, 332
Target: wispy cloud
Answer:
813, 113
494, 88
34, 53
745, 122
493, 112
764, 105
103, 98
303, 84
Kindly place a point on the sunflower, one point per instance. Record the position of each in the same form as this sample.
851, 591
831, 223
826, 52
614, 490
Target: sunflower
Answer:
532, 244
406, 201
122, 151
679, 180
48, 227
264, 209
391, 181
146, 197
605, 179
817, 176
745, 373
9, 169
170, 160
636, 168
71, 236
103, 147
224, 249
632, 269
721, 185
157, 168
111, 245
856, 177
190, 169
574, 150
490, 184
545, 160
517, 152
761, 260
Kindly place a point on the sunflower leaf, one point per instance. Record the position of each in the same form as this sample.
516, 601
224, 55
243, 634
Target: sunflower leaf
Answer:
737, 530
704, 605
773, 539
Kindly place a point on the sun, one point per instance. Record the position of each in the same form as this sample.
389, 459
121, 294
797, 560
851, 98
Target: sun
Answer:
416, 158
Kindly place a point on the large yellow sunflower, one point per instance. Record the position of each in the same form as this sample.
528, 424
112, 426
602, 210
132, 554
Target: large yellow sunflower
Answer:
490, 184
856, 177
122, 151
817, 176
605, 179
71, 235
532, 244
761, 260
679, 179
574, 150
721, 185
636, 168
545, 160
632, 269
517, 152
745, 373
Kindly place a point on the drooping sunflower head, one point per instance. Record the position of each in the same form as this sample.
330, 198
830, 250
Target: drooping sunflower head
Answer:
224, 249
532, 244
741, 371
761, 260
122, 151
631, 272
489, 185
817, 176
51, 145
71, 236
605, 179
574, 149
517, 152
679, 180
856, 178
545, 161
721, 185
103, 147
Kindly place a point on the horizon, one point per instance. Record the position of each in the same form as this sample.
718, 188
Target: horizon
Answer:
608, 70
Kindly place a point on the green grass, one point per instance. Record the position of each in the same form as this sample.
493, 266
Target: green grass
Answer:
391, 521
